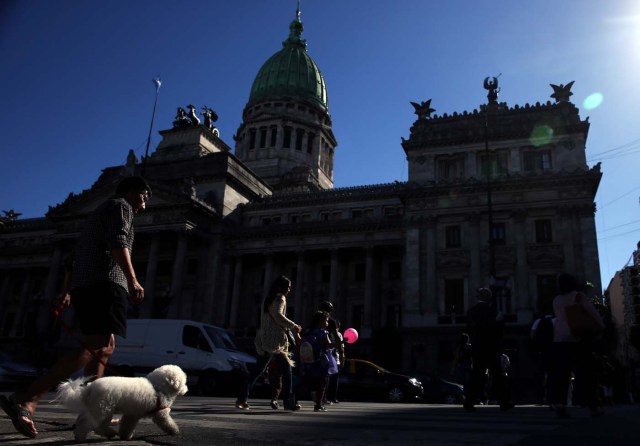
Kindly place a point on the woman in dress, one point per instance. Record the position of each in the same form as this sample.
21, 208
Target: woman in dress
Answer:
272, 343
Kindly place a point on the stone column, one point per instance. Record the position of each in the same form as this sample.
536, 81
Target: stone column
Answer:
53, 276
333, 279
430, 297
4, 296
280, 137
299, 311
475, 269
51, 290
586, 233
522, 298
268, 275
25, 302
236, 293
340, 311
146, 309
224, 318
212, 286
177, 276
567, 233
412, 267
368, 292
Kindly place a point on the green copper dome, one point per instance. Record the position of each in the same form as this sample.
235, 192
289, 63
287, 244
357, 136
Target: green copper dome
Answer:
291, 72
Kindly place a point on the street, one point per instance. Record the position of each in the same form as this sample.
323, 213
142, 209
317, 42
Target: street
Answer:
215, 421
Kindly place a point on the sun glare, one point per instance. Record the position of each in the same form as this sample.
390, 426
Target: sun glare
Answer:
592, 101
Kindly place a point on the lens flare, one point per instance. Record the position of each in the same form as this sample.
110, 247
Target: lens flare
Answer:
592, 101
541, 135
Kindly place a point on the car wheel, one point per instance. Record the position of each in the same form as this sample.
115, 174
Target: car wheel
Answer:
450, 398
396, 394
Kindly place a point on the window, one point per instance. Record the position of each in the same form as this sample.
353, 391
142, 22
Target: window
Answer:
452, 236
498, 234
543, 231
193, 337
546, 286
357, 316
266, 221
360, 272
263, 137
454, 297
356, 213
252, 139
286, 143
274, 134
537, 160
164, 267
310, 138
390, 211
450, 168
192, 266
395, 270
394, 313
326, 273
299, 137
325, 216
494, 164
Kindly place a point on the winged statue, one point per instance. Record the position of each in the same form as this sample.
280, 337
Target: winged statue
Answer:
561, 93
423, 109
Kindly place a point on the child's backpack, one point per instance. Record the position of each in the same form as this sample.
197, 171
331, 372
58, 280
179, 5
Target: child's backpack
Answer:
542, 336
315, 358
311, 347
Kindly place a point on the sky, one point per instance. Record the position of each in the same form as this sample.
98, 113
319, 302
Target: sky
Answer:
76, 90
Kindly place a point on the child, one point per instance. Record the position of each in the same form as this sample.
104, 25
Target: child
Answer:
315, 369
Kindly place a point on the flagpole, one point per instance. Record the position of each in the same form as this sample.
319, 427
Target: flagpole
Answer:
157, 82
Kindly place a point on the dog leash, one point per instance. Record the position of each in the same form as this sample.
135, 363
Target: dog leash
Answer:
57, 311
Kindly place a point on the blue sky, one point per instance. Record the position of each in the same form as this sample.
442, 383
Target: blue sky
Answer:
76, 88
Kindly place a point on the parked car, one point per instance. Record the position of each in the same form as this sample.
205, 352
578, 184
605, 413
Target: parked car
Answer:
364, 380
14, 373
437, 390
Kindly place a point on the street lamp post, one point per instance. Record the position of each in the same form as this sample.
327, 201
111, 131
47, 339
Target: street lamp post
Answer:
157, 82
491, 85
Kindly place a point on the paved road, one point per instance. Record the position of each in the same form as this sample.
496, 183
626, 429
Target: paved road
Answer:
214, 421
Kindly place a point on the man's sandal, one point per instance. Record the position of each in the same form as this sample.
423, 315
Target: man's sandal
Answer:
17, 414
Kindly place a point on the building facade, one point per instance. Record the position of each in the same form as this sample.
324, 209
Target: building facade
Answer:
623, 297
501, 196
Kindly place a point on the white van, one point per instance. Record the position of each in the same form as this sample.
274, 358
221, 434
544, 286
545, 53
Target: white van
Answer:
207, 354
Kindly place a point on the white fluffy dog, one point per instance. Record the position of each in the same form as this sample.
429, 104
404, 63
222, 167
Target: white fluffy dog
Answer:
135, 398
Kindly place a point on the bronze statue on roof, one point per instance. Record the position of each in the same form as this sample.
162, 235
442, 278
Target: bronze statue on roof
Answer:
561, 93
491, 84
423, 109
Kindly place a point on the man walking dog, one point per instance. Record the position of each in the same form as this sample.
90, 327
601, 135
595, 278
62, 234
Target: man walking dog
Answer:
103, 279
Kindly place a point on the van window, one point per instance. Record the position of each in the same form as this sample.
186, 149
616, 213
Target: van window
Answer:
193, 337
221, 338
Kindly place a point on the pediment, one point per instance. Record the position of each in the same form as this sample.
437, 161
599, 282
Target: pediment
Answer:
163, 196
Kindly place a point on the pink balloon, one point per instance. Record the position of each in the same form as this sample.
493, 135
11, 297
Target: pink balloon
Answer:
350, 335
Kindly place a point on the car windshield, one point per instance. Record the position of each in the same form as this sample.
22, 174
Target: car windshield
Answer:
221, 338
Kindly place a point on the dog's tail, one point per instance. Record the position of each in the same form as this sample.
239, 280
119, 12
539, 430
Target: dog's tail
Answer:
70, 392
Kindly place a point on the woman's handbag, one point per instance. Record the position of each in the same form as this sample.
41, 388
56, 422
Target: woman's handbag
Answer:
581, 323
